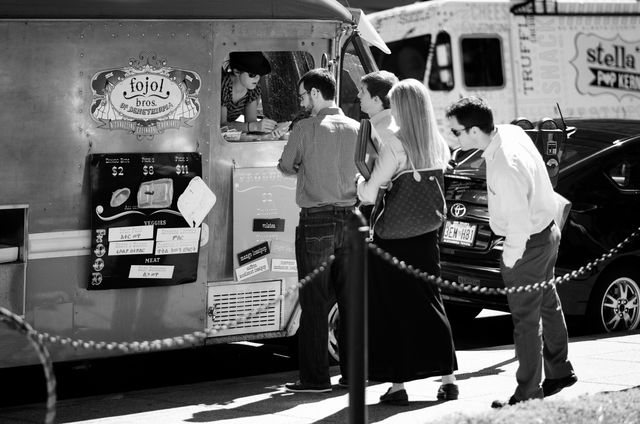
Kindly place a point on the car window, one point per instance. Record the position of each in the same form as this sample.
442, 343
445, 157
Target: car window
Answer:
574, 151
469, 161
625, 172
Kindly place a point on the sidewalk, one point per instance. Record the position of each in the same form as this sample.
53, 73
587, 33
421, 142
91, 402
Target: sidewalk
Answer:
602, 363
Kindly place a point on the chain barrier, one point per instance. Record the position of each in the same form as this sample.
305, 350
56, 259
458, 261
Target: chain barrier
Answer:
409, 269
17, 323
39, 338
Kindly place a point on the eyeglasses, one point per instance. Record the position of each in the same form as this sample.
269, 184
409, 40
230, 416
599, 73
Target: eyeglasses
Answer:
457, 132
252, 75
301, 95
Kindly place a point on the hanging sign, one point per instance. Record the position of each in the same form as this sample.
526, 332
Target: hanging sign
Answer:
138, 236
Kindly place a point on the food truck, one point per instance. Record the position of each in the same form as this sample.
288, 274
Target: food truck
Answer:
128, 212
522, 56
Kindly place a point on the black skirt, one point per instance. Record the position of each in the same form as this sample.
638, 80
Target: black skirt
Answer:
409, 333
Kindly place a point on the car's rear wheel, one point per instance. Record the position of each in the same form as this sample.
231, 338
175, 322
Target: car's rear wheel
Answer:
334, 321
614, 303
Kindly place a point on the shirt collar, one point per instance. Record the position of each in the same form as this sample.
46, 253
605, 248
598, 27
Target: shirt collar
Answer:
493, 146
330, 111
380, 116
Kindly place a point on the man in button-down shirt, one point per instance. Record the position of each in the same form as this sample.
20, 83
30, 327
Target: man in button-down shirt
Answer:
375, 102
320, 151
522, 206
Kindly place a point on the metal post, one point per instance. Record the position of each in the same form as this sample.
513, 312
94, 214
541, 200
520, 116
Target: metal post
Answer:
357, 231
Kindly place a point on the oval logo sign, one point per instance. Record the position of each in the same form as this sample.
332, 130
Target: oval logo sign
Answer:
146, 96
458, 210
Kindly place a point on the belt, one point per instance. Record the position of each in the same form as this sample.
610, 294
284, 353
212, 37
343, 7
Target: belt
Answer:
326, 209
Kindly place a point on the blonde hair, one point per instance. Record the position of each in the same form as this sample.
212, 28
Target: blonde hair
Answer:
418, 130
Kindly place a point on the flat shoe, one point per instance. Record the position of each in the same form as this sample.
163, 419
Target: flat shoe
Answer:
448, 392
500, 403
551, 386
298, 387
399, 397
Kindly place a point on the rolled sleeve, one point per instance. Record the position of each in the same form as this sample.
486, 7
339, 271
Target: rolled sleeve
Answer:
383, 170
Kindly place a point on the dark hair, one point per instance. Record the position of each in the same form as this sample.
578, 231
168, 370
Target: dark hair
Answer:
321, 79
472, 112
252, 62
378, 85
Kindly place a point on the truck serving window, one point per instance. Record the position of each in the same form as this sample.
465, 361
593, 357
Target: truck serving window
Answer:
260, 89
482, 61
441, 74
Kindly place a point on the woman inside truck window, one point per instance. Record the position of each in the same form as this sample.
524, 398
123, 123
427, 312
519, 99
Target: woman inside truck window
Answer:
241, 92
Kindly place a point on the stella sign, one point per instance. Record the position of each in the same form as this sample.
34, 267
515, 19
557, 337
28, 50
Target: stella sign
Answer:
607, 66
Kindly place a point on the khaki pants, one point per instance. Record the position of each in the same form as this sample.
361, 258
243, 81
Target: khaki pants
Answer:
540, 332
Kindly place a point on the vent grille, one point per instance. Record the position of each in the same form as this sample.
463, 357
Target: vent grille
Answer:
233, 302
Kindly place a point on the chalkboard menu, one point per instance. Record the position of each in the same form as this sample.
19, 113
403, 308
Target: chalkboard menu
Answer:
138, 236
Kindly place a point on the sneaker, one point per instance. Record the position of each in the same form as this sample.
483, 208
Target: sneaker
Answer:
448, 392
298, 387
551, 386
500, 403
343, 382
399, 397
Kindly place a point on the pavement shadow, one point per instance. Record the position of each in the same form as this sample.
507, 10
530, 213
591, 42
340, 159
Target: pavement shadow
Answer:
254, 405
494, 369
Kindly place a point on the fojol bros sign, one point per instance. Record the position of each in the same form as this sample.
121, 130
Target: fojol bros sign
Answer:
146, 96
607, 66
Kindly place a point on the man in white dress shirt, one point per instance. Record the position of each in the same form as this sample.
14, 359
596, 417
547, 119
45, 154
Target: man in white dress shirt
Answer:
522, 206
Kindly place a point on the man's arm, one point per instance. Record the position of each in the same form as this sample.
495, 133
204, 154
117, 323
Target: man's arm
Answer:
513, 188
291, 157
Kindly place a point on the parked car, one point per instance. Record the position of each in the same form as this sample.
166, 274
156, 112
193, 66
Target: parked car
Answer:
600, 175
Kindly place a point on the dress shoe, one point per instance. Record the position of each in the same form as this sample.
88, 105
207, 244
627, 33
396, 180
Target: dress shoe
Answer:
501, 403
343, 382
448, 392
298, 387
551, 386
399, 397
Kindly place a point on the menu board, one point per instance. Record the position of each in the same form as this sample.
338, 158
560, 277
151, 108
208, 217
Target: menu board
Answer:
138, 236
265, 216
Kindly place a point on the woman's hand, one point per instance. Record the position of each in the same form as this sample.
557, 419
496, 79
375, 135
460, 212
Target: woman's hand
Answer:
264, 126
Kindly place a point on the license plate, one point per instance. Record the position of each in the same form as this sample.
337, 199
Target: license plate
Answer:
460, 233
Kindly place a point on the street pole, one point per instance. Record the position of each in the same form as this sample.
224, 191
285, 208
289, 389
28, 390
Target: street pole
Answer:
357, 231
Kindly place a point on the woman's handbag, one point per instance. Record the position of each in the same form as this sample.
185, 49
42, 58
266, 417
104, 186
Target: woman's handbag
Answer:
414, 204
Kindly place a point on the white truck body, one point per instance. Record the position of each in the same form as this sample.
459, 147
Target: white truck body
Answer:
523, 57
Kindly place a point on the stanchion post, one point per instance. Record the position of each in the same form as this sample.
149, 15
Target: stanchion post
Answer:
357, 230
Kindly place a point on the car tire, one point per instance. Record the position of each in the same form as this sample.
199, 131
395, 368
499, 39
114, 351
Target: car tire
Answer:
334, 321
614, 301
461, 314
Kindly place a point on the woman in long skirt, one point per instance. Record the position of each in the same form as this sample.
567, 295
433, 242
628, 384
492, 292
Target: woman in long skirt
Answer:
409, 333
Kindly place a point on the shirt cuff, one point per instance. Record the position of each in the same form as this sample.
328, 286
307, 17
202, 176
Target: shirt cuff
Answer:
511, 256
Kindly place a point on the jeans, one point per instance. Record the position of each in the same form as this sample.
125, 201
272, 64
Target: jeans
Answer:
540, 332
318, 236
